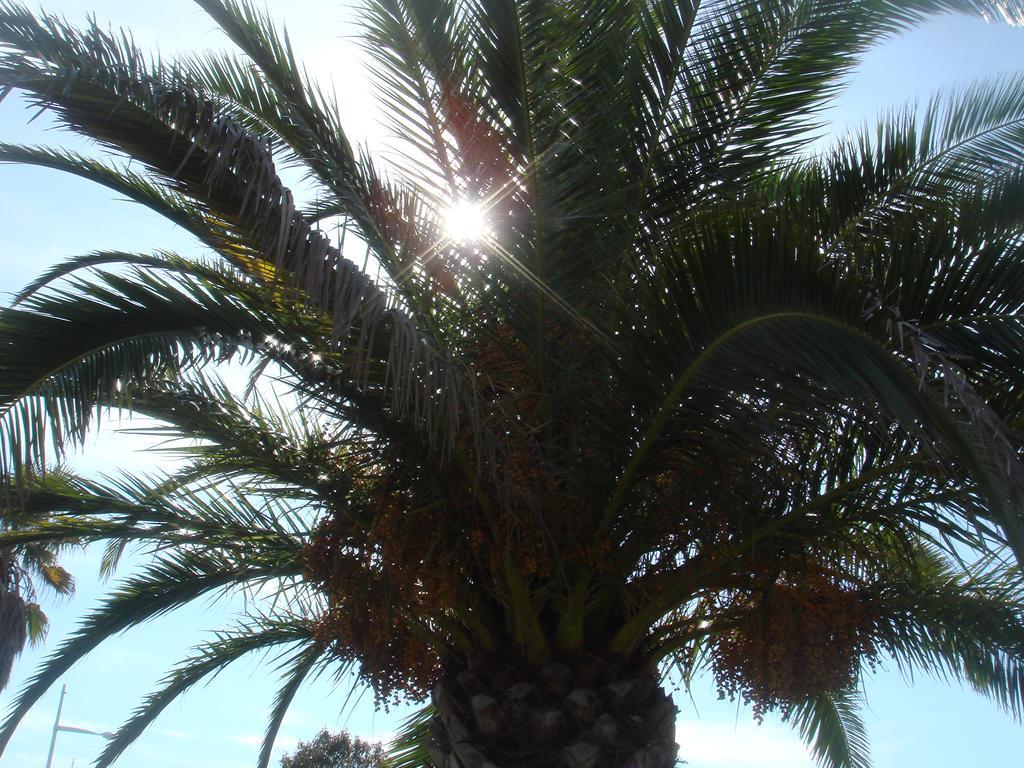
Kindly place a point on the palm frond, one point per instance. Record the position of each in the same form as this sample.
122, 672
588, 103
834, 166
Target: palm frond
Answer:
172, 581
137, 187
103, 87
417, 56
206, 660
298, 111
229, 436
970, 629
298, 667
38, 623
158, 260
967, 138
411, 747
774, 66
137, 329
831, 726
804, 355
132, 509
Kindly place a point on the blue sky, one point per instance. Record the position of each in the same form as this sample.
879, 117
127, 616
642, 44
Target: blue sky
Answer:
45, 217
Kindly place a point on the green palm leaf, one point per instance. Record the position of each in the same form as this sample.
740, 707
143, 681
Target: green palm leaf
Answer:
168, 583
831, 726
208, 660
298, 668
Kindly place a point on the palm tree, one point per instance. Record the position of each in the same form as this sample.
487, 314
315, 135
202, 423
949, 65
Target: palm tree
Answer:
694, 399
23, 569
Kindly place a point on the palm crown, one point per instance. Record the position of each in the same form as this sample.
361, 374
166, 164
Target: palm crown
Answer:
23, 569
695, 398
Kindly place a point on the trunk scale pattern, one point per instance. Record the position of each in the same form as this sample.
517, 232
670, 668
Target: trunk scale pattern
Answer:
584, 713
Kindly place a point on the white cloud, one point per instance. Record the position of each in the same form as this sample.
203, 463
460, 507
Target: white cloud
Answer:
724, 744
382, 737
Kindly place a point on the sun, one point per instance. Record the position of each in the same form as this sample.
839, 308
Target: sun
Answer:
465, 221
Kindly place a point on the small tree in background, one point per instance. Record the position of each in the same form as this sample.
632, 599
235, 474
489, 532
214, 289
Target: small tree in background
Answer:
335, 750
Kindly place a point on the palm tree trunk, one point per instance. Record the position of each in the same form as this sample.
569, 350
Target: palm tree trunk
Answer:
13, 631
584, 713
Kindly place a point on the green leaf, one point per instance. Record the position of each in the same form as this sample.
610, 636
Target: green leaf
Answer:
831, 726
210, 659
172, 581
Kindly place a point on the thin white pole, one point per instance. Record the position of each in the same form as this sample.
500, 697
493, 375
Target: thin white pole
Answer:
56, 726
